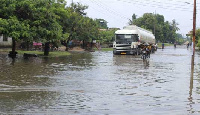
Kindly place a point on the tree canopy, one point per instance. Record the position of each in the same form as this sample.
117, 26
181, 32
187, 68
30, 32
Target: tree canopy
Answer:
102, 24
46, 21
164, 31
52, 20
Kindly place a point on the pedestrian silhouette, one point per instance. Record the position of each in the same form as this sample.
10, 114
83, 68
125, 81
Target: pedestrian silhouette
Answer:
163, 45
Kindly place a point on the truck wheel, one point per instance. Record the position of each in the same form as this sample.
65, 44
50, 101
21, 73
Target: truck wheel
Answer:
115, 52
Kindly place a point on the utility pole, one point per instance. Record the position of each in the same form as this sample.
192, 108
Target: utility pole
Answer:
193, 53
194, 27
155, 24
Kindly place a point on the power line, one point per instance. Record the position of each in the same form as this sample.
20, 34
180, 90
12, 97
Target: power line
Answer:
108, 9
101, 9
171, 5
158, 5
113, 14
112, 11
105, 14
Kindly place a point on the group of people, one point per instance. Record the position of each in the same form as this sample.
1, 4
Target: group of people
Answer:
187, 44
148, 49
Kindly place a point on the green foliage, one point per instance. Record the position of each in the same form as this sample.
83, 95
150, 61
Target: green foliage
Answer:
105, 49
197, 40
88, 29
134, 17
163, 31
198, 44
79, 8
197, 36
51, 54
165, 44
106, 36
102, 24
3, 25
46, 21
31, 20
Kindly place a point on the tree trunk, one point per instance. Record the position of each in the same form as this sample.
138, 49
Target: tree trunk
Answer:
46, 49
67, 47
13, 53
13, 45
83, 45
91, 44
27, 45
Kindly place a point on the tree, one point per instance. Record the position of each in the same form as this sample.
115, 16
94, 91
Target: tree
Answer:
197, 40
79, 26
79, 8
3, 25
166, 32
134, 17
31, 20
174, 25
163, 31
46, 21
102, 24
88, 30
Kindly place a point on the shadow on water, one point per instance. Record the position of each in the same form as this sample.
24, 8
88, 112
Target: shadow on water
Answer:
22, 72
190, 98
192, 75
146, 64
129, 60
29, 101
194, 89
100, 83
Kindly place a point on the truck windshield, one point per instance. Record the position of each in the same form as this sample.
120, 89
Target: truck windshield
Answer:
126, 38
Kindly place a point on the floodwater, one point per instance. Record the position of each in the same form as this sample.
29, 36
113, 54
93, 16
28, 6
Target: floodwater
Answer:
99, 83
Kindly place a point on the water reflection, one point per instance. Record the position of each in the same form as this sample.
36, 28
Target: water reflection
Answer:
27, 102
31, 85
13, 62
192, 75
146, 64
100, 83
190, 98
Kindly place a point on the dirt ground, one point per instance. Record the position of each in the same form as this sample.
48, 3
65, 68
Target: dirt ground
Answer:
76, 49
63, 48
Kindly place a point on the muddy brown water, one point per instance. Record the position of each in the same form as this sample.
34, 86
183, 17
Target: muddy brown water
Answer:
99, 83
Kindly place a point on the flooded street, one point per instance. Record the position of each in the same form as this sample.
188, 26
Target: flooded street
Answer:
99, 83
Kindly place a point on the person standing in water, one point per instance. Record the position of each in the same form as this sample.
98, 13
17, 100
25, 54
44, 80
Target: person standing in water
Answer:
163, 45
174, 44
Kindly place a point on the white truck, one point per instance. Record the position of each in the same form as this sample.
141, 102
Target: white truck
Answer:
130, 40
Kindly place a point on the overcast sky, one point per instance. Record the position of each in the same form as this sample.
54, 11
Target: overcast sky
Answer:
118, 12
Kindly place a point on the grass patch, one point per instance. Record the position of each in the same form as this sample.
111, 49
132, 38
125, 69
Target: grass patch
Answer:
107, 49
58, 54
104, 49
166, 44
30, 52
5, 50
40, 53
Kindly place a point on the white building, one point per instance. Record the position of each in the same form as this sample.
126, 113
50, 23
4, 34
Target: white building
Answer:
5, 41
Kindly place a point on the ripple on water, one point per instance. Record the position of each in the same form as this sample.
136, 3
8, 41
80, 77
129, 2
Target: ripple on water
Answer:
100, 83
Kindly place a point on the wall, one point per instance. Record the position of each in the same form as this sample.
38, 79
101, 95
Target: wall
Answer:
5, 43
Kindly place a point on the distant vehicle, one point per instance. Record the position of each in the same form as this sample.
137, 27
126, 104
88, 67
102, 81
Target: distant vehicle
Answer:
131, 39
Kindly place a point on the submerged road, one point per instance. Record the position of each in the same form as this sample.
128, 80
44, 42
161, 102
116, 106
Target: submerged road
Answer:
99, 83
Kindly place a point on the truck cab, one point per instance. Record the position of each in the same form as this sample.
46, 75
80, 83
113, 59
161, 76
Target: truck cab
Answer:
129, 39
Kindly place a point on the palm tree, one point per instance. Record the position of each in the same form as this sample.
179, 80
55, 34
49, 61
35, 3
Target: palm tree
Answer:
174, 25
